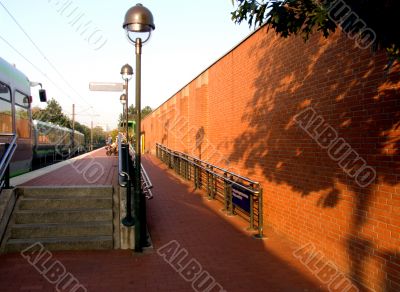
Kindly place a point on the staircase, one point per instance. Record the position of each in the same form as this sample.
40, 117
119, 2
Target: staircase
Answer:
66, 218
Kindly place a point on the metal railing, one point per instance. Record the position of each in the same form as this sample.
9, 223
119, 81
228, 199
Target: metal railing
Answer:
126, 165
9, 150
146, 184
145, 180
240, 195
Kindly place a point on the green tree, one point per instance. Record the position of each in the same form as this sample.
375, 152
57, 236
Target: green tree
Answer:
53, 113
304, 17
146, 111
132, 113
83, 129
99, 135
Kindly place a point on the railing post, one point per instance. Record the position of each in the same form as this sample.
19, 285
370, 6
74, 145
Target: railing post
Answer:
251, 227
260, 234
189, 168
208, 182
214, 185
181, 169
184, 161
196, 175
230, 212
178, 165
225, 192
171, 160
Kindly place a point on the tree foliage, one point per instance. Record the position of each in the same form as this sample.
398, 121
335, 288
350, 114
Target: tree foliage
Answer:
304, 17
99, 135
53, 113
132, 113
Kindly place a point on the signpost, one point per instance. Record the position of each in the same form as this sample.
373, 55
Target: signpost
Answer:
106, 86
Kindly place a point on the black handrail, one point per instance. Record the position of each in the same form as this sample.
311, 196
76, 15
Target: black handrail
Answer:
126, 164
122, 168
125, 174
220, 184
145, 180
5, 161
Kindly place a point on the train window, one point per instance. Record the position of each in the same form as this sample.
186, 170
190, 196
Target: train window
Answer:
5, 109
21, 99
5, 92
22, 122
22, 119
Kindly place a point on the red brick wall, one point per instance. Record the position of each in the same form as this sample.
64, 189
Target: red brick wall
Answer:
239, 114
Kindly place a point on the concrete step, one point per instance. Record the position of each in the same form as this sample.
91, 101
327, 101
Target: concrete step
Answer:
65, 203
62, 243
63, 191
62, 216
20, 231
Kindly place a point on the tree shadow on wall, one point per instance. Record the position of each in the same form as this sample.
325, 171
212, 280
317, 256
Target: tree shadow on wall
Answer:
199, 140
164, 138
342, 90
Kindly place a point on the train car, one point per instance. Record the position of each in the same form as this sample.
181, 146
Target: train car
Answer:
55, 142
15, 116
34, 139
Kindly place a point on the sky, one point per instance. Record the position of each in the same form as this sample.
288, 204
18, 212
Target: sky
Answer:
69, 43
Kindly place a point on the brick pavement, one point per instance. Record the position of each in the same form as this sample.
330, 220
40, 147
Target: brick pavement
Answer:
95, 168
178, 213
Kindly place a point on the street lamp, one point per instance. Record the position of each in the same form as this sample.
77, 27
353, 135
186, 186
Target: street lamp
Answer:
139, 24
126, 73
122, 99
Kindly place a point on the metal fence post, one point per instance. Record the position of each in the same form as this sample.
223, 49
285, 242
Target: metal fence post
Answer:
251, 227
214, 186
208, 172
230, 197
195, 175
225, 192
171, 160
185, 166
260, 234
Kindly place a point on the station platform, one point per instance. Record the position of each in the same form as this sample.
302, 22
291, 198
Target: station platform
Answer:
182, 220
93, 168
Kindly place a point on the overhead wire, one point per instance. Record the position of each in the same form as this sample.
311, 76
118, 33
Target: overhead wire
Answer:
45, 75
34, 66
43, 55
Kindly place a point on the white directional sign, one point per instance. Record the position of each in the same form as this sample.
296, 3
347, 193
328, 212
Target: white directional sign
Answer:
106, 86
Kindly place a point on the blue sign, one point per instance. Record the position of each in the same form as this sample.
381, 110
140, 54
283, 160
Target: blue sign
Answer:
241, 197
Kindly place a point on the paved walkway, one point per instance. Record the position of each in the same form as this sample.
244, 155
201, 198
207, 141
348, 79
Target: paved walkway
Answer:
93, 168
178, 215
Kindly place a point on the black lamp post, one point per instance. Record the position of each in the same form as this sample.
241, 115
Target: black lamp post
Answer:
138, 25
122, 100
126, 73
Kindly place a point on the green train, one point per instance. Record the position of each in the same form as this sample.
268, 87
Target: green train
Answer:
35, 139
